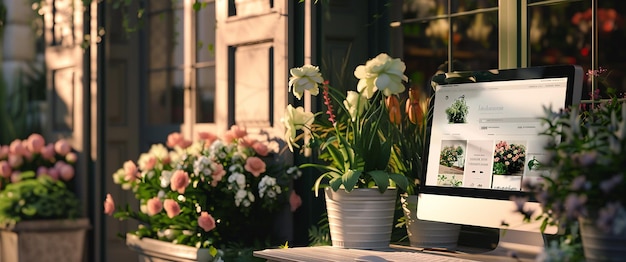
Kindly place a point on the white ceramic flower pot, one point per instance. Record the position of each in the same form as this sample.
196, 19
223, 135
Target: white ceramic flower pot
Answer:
362, 218
152, 250
44, 241
428, 234
601, 246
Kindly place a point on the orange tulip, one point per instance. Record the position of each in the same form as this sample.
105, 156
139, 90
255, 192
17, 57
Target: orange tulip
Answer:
394, 109
413, 107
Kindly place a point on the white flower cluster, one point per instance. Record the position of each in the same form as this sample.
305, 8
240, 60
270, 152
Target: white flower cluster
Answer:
237, 183
269, 187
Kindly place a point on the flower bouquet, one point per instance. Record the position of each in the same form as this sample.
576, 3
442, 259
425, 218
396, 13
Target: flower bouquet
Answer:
215, 193
36, 181
508, 158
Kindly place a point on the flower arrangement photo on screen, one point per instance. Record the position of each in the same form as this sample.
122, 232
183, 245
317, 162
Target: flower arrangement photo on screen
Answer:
450, 155
508, 158
457, 112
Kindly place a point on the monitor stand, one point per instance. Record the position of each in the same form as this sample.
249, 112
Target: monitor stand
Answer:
520, 244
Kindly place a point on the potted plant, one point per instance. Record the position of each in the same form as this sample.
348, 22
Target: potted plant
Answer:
356, 145
201, 200
37, 203
584, 184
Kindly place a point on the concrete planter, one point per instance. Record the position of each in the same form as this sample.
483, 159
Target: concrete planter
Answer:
152, 250
44, 240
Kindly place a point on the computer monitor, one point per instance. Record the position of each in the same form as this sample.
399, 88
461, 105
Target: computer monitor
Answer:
484, 141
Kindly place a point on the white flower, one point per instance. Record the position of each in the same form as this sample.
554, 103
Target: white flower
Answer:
295, 119
381, 73
165, 178
307, 77
355, 103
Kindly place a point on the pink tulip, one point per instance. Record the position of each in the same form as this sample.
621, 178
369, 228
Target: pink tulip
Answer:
5, 169
154, 206
217, 174
179, 181
294, 201
171, 208
62, 147
109, 205
35, 143
130, 171
255, 165
206, 221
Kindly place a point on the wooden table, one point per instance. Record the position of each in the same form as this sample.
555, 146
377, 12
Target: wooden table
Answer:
394, 253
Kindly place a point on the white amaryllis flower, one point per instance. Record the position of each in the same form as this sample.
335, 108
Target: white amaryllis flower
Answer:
307, 77
381, 73
295, 119
355, 103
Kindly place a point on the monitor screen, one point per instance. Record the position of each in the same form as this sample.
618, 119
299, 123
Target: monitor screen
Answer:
484, 141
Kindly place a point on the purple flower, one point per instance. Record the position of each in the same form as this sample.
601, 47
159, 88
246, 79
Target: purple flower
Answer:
575, 205
578, 183
609, 184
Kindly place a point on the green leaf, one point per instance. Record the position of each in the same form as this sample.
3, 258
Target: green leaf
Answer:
335, 184
401, 181
381, 178
350, 178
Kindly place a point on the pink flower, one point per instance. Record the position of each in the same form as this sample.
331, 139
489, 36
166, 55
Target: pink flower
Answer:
17, 148
109, 205
48, 152
171, 208
4, 151
206, 221
234, 133
150, 163
15, 160
62, 147
130, 169
261, 149
5, 169
15, 177
294, 201
208, 138
174, 139
255, 165
42, 171
54, 173
154, 206
66, 172
217, 174
179, 181
35, 143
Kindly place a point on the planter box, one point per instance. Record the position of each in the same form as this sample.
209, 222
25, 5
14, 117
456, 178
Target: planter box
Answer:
152, 250
44, 240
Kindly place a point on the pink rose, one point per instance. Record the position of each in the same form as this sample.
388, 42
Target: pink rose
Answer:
35, 143
234, 133
130, 170
294, 201
185, 143
217, 174
109, 205
179, 181
207, 137
62, 147
42, 171
48, 152
174, 139
150, 163
15, 161
261, 149
5, 169
66, 172
154, 206
255, 165
206, 221
171, 208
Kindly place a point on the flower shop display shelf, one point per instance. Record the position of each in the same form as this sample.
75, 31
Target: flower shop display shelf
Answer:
44, 240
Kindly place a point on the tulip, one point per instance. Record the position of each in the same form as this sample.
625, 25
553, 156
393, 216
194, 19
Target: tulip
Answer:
413, 108
393, 106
